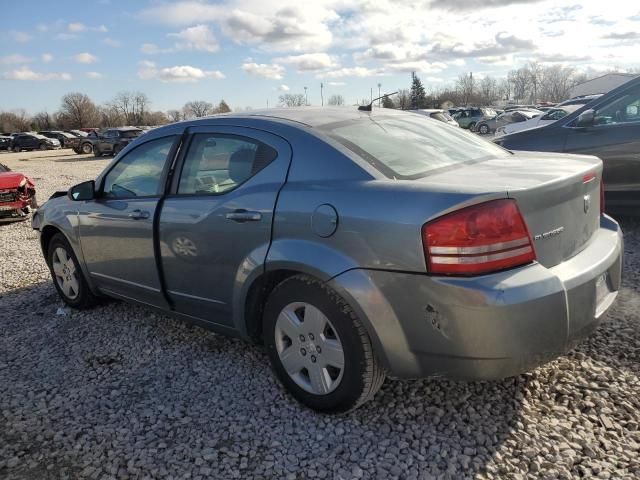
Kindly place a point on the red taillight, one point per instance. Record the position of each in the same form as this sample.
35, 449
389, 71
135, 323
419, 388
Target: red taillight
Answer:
480, 239
601, 197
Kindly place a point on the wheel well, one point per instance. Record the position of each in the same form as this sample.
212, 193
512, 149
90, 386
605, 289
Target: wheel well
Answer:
45, 237
257, 298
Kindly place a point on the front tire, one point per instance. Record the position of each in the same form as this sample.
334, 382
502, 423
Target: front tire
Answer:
318, 347
42, 146
483, 129
97, 152
67, 275
86, 148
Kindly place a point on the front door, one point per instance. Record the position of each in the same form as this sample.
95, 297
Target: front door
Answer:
217, 221
116, 229
615, 138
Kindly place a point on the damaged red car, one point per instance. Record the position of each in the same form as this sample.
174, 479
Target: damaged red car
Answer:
17, 194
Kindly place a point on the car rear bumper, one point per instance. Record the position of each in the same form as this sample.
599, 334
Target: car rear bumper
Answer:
487, 327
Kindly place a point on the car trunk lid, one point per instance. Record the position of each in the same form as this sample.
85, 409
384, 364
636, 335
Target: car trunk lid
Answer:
558, 196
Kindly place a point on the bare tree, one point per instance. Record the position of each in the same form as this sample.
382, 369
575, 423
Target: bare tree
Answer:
521, 81
403, 99
43, 121
16, 121
156, 118
557, 82
292, 100
110, 116
536, 72
465, 85
132, 106
174, 115
77, 111
335, 100
489, 90
197, 109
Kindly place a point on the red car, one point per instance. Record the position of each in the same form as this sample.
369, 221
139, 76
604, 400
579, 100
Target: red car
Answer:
17, 194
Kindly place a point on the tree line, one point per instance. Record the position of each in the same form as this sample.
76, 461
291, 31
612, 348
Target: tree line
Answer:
77, 110
532, 83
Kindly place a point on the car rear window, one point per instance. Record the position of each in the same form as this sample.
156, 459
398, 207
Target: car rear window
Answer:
405, 147
443, 117
130, 133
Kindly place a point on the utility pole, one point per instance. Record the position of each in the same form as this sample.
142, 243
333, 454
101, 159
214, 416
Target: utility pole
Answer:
371, 100
379, 85
306, 99
321, 95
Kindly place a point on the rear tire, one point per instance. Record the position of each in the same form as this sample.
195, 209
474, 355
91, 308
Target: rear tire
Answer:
67, 275
86, 148
483, 129
42, 146
96, 152
330, 363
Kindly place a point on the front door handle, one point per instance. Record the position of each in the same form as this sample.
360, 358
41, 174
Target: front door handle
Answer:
244, 216
139, 214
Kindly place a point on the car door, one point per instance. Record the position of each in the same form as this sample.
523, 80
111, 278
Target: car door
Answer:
615, 138
217, 219
116, 229
106, 141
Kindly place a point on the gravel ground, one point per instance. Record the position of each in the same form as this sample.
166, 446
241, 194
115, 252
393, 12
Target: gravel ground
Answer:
122, 392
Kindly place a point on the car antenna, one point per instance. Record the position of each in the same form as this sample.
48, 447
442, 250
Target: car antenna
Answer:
367, 108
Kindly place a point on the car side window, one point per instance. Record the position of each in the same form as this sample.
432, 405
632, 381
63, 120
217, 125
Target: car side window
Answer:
138, 173
217, 163
623, 109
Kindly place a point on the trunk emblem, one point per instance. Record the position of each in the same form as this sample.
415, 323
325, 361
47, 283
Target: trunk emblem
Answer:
587, 203
549, 234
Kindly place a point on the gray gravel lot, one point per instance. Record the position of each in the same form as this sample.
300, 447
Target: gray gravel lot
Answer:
122, 392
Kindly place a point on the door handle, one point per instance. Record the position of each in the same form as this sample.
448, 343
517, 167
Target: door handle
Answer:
139, 215
242, 215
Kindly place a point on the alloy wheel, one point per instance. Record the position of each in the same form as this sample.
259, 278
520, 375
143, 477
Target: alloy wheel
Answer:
309, 348
184, 247
65, 272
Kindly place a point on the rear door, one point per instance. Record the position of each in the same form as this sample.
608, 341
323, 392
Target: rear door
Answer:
216, 223
615, 138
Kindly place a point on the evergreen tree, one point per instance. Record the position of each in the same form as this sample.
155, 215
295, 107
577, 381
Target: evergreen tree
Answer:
418, 96
387, 102
223, 107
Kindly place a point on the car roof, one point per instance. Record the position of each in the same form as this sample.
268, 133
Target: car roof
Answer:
309, 116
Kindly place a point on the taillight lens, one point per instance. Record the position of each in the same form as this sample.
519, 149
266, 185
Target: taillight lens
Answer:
479, 239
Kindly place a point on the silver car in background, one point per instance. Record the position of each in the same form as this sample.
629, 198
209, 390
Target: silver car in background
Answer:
352, 244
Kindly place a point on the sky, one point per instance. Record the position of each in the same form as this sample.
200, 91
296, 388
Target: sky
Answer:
248, 52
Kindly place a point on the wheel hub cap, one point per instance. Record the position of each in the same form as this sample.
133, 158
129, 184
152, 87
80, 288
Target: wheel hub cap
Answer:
65, 273
309, 348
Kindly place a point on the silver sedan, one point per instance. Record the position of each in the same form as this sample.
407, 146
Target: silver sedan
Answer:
352, 244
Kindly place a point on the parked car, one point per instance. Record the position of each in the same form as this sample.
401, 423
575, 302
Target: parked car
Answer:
538, 121
608, 127
77, 133
352, 244
490, 125
67, 140
85, 144
33, 141
112, 140
5, 142
437, 114
469, 117
17, 194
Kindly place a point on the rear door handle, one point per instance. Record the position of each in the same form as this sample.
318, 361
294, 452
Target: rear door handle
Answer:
139, 215
244, 216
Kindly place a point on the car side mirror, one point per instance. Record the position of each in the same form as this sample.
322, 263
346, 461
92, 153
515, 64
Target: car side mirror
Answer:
83, 191
586, 118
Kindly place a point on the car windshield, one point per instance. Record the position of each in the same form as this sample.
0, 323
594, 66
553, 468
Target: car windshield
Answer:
442, 116
405, 147
130, 133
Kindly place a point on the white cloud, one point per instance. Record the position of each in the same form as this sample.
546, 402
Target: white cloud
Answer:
352, 72
102, 29
264, 70
85, 57
14, 59
337, 84
150, 48
309, 62
46, 57
76, 27
110, 42
283, 88
25, 73
65, 36
178, 74
20, 37
184, 13
93, 75
199, 37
